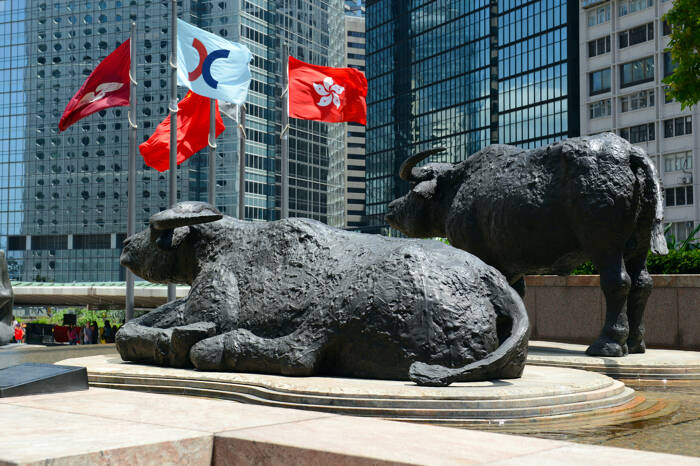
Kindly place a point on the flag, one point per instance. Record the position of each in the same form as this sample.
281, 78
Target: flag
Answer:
192, 133
107, 86
212, 66
326, 94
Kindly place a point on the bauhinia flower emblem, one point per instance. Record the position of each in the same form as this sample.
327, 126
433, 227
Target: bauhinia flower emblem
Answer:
329, 92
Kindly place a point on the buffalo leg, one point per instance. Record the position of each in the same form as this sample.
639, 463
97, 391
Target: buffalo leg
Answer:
615, 283
636, 302
160, 337
296, 354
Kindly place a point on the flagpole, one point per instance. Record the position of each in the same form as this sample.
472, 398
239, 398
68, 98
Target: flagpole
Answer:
284, 211
211, 188
241, 161
131, 193
172, 179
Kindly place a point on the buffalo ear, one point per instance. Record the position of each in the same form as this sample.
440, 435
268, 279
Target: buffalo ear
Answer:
172, 238
426, 189
185, 213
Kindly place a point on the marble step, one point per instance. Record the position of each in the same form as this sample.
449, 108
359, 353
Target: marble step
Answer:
654, 364
614, 395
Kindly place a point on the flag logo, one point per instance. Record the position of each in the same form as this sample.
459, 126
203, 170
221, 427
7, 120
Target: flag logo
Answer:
203, 68
99, 93
329, 92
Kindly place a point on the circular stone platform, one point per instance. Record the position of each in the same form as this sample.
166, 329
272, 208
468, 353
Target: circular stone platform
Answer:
655, 364
542, 391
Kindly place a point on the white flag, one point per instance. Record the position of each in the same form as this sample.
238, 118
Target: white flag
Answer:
212, 66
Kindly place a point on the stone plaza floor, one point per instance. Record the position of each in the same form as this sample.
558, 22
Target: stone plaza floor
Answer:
667, 421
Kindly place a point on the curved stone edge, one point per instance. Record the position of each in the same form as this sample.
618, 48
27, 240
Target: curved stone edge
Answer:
403, 414
655, 364
389, 389
367, 402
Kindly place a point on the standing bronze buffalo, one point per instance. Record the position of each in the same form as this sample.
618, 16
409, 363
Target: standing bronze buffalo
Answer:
547, 210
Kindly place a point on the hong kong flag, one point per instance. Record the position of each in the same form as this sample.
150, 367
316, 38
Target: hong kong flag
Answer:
107, 86
326, 94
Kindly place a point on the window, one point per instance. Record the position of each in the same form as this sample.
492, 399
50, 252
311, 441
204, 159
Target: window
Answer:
599, 81
669, 64
667, 98
599, 15
680, 195
639, 133
666, 28
678, 161
679, 230
599, 46
600, 109
637, 101
626, 7
678, 126
636, 72
636, 35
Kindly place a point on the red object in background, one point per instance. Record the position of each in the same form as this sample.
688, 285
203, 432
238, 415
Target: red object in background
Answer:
326, 94
60, 333
107, 86
19, 334
192, 133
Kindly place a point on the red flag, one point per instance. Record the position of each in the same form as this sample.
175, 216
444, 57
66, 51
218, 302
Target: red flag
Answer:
326, 94
192, 133
107, 86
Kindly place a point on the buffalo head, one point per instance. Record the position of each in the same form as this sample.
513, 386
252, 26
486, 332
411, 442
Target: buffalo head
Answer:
418, 213
164, 253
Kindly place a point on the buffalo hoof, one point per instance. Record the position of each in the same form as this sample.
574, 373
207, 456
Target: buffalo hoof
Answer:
607, 348
208, 354
637, 346
183, 338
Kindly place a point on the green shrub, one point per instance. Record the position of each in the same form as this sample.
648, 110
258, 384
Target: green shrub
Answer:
676, 262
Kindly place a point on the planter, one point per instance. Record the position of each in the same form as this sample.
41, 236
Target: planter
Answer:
572, 309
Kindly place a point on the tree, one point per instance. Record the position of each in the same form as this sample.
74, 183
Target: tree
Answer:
684, 20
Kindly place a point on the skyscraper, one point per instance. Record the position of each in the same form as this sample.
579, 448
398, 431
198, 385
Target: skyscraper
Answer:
354, 169
464, 74
63, 196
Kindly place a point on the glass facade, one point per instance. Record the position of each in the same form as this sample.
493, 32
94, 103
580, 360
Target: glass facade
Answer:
63, 196
464, 74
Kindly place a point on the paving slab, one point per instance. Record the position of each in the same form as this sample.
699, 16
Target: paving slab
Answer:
655, 364
102, 426
34, 436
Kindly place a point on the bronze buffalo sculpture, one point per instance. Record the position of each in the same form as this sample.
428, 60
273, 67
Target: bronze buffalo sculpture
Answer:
297, 297
548, 210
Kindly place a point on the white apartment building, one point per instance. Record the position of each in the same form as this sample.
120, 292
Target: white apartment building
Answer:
622, 62
355, 135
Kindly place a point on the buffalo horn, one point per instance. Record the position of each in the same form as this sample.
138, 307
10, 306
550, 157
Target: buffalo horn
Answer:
412, 161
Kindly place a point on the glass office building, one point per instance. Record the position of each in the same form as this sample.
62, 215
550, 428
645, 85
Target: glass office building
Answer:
463, 74
63, 195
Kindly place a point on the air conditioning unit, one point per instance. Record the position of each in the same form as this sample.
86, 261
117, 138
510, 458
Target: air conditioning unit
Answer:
687, 179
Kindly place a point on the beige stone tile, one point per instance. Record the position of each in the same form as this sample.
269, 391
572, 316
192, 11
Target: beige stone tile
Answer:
42, 436
661, 317
352, 440
586, 455
571, 313
689, 317
201, 414
531, 306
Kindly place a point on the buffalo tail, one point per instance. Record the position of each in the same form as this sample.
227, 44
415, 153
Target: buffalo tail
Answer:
507, 361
